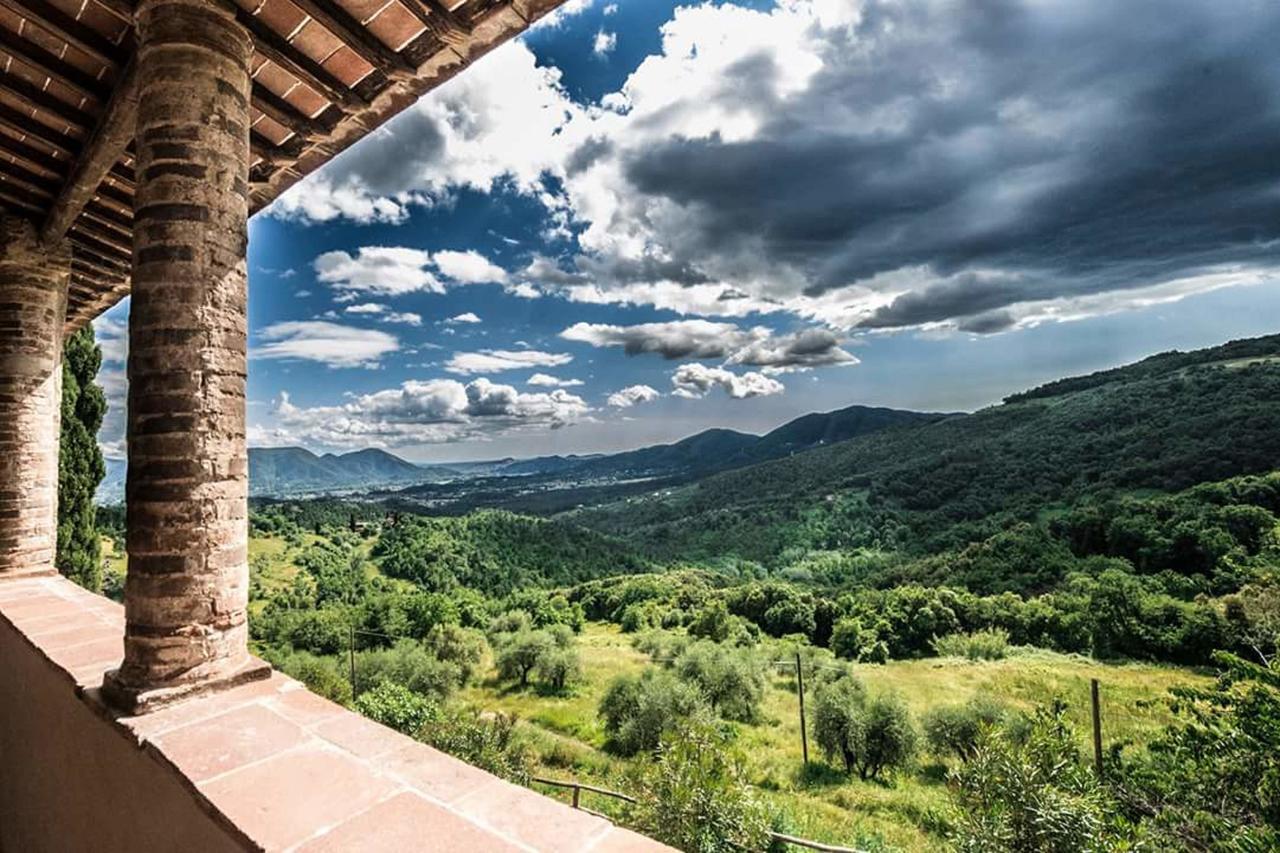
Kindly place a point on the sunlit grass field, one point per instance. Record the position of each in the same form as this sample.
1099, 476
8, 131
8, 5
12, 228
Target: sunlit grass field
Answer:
908, 812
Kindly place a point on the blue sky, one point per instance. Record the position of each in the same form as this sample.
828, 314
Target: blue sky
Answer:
639, 221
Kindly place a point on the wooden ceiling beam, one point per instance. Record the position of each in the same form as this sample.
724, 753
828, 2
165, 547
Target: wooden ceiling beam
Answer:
99, 153
105, 252
24, 90
282, 112
106, 236
17, 200
37, 185
22, 151
110, 193
277, 49
356, 36
122, 9
53, 67
109, 218
27, 126
92, 274
59, 24
439, 21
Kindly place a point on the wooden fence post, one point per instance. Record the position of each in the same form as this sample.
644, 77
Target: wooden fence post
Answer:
804, 732
1097, 726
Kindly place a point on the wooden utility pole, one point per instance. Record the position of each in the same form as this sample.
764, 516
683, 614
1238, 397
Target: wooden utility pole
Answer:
804, 733
351, 655
1097, 726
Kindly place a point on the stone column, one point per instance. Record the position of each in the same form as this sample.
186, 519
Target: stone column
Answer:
33, 308
186, 592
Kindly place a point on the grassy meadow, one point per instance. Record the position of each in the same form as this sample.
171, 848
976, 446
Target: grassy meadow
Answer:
908, 812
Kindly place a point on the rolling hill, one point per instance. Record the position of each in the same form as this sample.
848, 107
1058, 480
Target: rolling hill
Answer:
1163, 424
721, 449
286, 470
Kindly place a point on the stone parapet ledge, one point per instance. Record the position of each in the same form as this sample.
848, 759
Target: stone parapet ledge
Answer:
267, 765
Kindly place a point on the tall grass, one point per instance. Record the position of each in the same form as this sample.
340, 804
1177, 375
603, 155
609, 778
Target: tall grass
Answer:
988, 644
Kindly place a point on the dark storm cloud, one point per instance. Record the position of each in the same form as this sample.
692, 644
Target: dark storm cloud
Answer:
407, 146
986, 324
1016, 153
587, 154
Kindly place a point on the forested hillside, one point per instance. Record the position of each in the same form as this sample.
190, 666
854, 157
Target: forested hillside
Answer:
1163, 424
496, 552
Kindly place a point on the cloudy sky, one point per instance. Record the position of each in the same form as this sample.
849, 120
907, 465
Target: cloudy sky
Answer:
641, 220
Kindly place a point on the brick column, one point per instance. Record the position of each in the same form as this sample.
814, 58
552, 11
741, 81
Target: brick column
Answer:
186, 592
33, 308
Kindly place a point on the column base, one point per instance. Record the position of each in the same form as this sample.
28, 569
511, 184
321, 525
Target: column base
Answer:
134, 702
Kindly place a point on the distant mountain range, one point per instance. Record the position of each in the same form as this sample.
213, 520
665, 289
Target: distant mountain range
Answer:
723, 449
285, 470
281, 471
1163, 424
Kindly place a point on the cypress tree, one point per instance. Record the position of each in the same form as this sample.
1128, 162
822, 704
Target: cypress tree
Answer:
80, 464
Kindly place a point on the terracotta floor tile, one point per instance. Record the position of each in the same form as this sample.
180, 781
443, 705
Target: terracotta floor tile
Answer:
210, 747
361, 736
434, 773
304, 707
535, 820
74, 635
15, 590
104, 651
408, 822
28, 610
619, 840
288, 798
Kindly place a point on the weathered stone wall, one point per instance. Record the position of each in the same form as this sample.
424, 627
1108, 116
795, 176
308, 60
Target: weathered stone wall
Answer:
33, 300
187, 486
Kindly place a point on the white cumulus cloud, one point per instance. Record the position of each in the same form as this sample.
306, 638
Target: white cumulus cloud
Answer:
469, 267
421, 412
379, 270
696, 380
632, 395
546, 380
604, 43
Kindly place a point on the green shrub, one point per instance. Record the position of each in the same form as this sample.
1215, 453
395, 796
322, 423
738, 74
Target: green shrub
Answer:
321, 675
955, 730
850, 640
638, 711
487, 741
693, 794
987, 644
396, 706
1214, 775
1035, 795
712, 622
732, 680
465, 648
411, 665
661, 646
